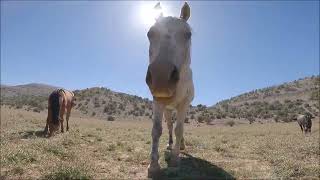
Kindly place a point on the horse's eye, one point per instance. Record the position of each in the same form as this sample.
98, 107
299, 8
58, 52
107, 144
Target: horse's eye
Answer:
187, 35
151, 34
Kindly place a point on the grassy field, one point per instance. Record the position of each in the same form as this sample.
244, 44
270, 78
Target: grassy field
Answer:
95, 149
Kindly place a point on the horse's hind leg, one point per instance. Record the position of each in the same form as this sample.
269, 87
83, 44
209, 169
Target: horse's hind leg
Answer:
62, 111
182, 146
46, 128
51, 129
168, 118
67, 118
61, 122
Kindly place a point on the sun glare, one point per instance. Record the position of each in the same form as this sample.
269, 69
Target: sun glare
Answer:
148, 13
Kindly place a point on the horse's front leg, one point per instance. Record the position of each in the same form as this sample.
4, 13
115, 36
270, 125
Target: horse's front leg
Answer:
154, 166
181, 116
301, 128
168, 117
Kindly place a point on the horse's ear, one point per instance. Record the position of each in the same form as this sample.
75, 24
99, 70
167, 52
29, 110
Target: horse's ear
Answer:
158, 8
185, 12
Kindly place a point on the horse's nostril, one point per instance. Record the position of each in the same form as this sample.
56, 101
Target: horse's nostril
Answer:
148, 78
174, 76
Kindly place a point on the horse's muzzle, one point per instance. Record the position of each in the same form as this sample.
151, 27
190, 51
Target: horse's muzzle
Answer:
162, 78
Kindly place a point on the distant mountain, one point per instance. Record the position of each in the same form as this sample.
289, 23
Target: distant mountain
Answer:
33, 89
32, 96
276, 103
97, 101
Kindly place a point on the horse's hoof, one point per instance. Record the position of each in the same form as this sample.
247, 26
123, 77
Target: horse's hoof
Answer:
153, 171
169, 146
182, 147
174, 161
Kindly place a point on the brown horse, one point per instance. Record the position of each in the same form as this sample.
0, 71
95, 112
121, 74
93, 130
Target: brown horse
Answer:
59, 102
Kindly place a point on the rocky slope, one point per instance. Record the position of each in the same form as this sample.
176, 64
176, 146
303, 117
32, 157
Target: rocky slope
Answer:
276, 103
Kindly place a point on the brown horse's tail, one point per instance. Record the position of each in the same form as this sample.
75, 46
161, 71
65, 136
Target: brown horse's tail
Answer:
55, 107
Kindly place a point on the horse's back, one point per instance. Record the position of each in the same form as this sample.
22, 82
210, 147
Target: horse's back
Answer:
301, 119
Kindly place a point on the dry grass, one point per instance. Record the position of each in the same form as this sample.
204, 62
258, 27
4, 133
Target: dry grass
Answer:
120, 150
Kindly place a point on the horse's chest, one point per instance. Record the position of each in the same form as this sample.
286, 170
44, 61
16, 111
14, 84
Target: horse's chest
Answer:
171, 106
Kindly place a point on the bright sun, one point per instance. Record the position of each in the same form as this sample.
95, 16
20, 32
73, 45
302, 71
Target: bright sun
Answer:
148, 13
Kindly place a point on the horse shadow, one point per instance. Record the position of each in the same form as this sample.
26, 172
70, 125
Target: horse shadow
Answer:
194, 168
31, 134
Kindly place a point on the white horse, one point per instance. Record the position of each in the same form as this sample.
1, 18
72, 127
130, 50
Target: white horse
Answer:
169, 78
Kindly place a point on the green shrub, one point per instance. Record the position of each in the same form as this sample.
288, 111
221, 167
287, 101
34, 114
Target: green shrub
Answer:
315, 95
230, 123
111, 118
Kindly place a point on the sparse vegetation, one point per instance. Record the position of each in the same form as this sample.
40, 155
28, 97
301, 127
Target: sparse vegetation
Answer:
95, 149
100, 149
111, 118
230, 123
68, 172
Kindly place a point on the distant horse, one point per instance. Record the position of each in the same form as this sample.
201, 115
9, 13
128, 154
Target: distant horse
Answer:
305, 122
60, 100
169, 78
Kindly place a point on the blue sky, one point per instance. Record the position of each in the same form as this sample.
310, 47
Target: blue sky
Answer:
236, 46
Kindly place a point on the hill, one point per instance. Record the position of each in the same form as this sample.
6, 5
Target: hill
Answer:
276, 103
104, 103
97, 101
29, 96
32, 89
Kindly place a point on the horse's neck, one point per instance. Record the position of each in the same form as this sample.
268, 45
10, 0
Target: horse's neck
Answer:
65, 91
61, 90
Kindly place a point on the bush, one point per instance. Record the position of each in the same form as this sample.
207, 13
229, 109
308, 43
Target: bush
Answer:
230, 123
79, 105
111, 118
96, 104
208, 120
315, 95
36, 110
105, 109
251, 119
200, 119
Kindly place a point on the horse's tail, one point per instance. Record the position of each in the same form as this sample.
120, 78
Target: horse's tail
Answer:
55, 107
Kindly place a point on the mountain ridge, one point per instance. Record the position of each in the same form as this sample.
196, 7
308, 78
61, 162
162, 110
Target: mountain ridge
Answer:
278, 102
